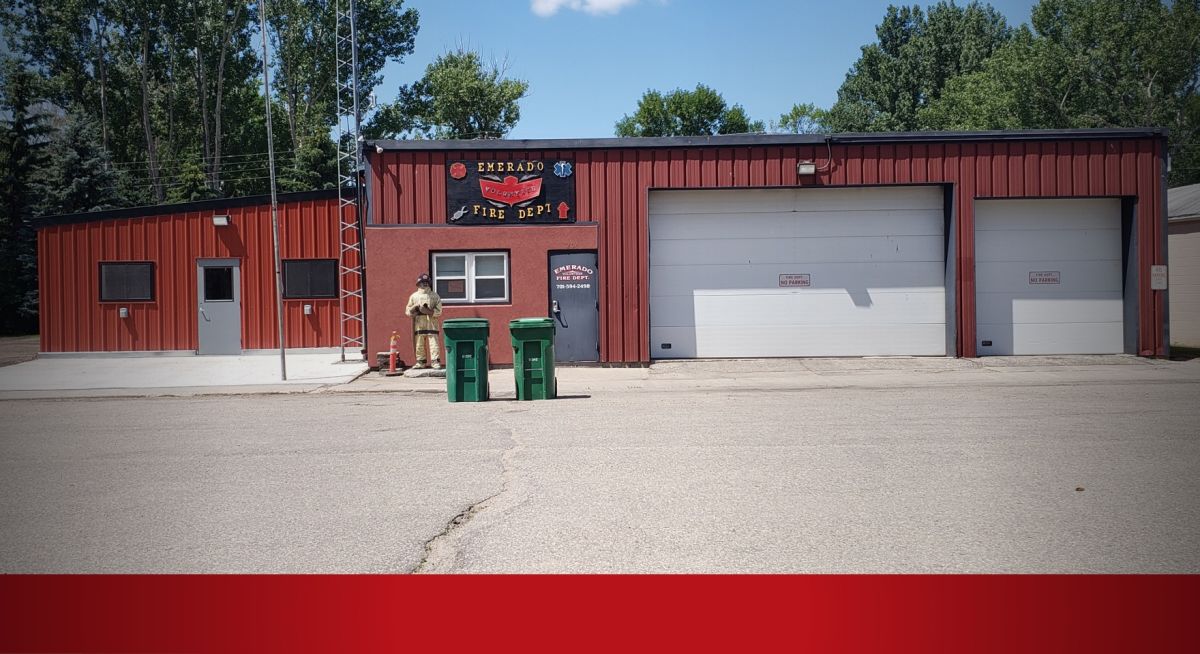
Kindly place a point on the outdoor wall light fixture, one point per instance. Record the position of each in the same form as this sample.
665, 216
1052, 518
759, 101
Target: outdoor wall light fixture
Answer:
220, 220
308, 309
123, 312
806, 168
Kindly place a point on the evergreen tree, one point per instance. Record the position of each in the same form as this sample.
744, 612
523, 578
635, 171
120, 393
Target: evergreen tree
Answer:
77, 175
24, 135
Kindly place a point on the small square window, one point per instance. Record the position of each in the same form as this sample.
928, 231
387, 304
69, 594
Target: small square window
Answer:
471, 277
127, 281
451, 265
452, 289
310, 278
218, 284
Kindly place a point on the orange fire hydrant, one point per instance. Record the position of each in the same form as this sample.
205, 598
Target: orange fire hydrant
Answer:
393, 350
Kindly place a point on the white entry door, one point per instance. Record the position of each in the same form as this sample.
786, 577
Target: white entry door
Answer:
1048, 277
797, 272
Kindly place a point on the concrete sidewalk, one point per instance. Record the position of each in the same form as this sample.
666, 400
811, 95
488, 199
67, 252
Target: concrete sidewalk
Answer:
102, 376
67, 377
792, 374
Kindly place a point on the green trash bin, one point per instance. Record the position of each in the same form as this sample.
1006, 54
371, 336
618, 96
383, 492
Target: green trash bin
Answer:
466, 359
533, 358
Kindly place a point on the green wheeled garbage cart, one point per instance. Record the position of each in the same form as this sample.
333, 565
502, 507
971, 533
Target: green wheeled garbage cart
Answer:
466, 359
533, 358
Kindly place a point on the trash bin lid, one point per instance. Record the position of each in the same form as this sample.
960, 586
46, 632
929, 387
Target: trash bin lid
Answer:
531, 322
465, 323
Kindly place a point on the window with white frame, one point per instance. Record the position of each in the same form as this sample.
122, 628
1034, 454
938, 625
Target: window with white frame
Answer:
471, 277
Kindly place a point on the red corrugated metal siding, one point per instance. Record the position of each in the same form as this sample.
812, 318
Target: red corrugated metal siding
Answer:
612, 186
74, 320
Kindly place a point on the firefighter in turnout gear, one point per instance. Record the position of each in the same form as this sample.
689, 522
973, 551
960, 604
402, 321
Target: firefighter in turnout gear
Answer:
425, 306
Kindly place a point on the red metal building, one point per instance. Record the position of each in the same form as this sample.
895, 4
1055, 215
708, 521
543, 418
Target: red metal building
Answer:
1045, 267
939, 244
134, 279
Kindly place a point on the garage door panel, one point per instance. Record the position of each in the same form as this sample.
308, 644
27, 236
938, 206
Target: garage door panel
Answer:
1013, 276
673, 343
1020, 215
721, 202
874, 258
1101, 306
793, 224
1075, 243
815, 249
1051, 338
794, 308
1050, 244
798, 341
684, 279
884, 198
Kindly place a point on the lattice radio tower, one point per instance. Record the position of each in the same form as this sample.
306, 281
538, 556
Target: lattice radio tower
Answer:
352, 257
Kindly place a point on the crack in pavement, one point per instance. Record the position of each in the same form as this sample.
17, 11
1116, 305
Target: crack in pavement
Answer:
442, 550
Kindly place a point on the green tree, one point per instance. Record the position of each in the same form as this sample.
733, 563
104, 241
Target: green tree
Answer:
699, 112
191, 183
1089, 63
459, 97
77, 175
909, 66
804, 118
176, 85
24, 136
220, 42
305, 78
314, 166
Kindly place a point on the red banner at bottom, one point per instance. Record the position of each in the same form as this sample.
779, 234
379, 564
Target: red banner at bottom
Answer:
346, 613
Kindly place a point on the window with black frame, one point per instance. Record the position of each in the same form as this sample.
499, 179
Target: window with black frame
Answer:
309, 278
127, 281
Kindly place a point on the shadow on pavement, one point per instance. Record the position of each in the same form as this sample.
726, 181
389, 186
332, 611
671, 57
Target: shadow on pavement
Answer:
1178, 353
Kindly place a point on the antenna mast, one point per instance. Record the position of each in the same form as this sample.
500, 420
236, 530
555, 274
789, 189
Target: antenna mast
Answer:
352, 256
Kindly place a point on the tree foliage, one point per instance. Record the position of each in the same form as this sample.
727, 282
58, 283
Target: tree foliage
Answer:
24, 138
76, 174
914, 58
1089, 63
111, 103
459, 97
305, 78
175, 87
804, 118
700, 112
1076, 64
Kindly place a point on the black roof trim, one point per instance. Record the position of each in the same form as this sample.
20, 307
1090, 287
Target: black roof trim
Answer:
734, 140
163, 209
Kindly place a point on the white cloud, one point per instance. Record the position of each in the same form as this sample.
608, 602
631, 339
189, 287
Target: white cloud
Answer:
594, 7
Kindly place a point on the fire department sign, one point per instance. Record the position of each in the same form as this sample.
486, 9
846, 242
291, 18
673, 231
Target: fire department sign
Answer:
510, 192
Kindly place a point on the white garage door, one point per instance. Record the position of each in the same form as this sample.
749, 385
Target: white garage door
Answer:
797, 272
1048, 277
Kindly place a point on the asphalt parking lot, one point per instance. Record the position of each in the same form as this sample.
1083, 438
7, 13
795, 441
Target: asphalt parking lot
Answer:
891, 465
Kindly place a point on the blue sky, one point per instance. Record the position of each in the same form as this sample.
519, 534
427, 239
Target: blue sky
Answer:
586, 69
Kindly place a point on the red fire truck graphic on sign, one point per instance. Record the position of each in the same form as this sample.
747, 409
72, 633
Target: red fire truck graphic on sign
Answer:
510, 191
